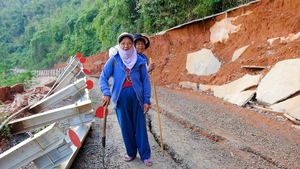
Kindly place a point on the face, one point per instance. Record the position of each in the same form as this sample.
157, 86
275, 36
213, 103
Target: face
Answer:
140, 46
126, 44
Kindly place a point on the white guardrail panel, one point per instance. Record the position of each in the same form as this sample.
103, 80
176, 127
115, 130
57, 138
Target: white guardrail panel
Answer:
54, 157
49, 117
32, 148
69, 90
82, 132
51, 148
74, 62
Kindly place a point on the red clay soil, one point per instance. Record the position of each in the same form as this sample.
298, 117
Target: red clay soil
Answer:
269, 19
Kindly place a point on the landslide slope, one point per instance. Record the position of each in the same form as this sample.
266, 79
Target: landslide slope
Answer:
269, 27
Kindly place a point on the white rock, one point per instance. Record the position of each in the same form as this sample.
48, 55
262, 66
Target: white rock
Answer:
237, 86
241, 98
202, 62
239, 52
282, 81
220, 31
291, 106
188, 85
206, 87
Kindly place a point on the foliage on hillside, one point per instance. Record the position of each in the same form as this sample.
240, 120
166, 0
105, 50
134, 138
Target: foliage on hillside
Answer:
35, 34
9, 78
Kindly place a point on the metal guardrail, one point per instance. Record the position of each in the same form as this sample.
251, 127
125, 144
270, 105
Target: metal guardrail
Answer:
45, 72
51, 148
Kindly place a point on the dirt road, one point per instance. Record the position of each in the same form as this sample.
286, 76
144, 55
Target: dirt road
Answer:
199, 131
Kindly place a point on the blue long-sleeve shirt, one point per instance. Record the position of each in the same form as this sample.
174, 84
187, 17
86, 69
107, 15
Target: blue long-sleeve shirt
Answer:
138, 75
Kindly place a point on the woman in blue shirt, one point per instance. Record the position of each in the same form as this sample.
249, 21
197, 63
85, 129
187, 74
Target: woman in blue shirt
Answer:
130, 93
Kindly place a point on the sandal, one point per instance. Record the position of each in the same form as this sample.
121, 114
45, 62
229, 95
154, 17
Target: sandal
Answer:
148, 162
128, 158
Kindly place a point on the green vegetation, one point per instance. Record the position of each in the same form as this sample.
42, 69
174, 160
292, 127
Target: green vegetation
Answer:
94, 101
5, 131
35, 34
9, 78
35, 132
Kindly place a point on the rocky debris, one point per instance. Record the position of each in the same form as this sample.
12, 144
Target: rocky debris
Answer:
279, 84
21, 97
188, 85
235, 92
289, 38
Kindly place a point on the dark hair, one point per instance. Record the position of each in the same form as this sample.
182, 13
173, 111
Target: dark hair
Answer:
141, 37
143, 40
121, 38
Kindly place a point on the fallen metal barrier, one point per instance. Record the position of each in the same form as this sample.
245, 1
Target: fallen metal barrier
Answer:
51, 148
70, 90
32, 148
49, 117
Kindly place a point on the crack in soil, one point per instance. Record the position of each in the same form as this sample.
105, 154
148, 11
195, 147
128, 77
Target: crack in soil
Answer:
166, 147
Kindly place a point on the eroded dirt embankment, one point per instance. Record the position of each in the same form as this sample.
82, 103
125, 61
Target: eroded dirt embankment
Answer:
266, 20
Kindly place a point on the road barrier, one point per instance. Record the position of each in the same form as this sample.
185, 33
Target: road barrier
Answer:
44, 72
51, 148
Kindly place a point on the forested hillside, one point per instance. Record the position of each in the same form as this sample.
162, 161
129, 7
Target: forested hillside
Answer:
35, 34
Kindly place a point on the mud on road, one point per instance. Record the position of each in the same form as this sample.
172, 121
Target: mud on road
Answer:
199, 131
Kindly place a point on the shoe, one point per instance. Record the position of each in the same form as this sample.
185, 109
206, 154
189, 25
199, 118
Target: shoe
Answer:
127, 158
148, 162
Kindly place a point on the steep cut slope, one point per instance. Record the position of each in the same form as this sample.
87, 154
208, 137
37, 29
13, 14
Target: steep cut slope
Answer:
259, 22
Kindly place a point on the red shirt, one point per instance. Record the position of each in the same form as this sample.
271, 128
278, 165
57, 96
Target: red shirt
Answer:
127, 81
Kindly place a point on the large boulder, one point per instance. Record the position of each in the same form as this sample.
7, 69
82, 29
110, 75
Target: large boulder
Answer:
281, 82
237, 86
290, 106
202, 62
